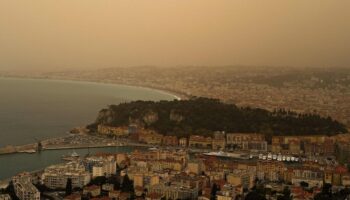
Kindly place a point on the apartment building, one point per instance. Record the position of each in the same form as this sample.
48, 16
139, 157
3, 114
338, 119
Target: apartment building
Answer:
56, 176
24, 188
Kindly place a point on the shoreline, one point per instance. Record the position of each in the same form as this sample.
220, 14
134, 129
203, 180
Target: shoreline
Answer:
176, 94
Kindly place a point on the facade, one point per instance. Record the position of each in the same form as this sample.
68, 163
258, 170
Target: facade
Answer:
286, 144
114, 194
195, 167
219, 141
107, 187
24, 188
313, 177
246, 141
270, 170
145, 180
159, 155
138, 180
154, 196
197, 141
308, 145
240, 178
93, 190
343, 152
120, 158
183, 142
225, 195
170, 141
5, 197
345, 180
113, 131
101, 165
254, 145
73, 197
56, 176
175, 192
150, 137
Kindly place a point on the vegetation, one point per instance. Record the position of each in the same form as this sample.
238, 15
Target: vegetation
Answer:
215, 188
127, 185
69, 187
100, 180
203, 116
286, 194
11, 191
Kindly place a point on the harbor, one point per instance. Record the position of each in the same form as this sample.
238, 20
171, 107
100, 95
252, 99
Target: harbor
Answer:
70, 141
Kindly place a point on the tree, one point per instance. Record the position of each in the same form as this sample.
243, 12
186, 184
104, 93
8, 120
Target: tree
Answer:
327, 189
326, 192
69, 187
204, 116
304, 184
254, 196
214, 190
127, 185
11, 191
342, 194
286, 194
100, 180
114, 179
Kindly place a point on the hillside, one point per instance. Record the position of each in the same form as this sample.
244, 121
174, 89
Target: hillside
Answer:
203, 116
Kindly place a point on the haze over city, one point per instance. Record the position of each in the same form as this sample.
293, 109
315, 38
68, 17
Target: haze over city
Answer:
55, 35
174, 100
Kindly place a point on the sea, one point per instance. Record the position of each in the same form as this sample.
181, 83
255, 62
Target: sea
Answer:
34, 109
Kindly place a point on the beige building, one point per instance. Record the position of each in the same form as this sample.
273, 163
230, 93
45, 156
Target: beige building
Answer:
225, 195
312, 176
145, 180
102, 165
113, 131
56, 176
150, 137
196, 167
175, 192
197, 141
24, 188
219, 141
93, 190
107, 187
345, 179
138, 180
183, 142
120, 157
170, 141
240, 178
114, 194
246, 141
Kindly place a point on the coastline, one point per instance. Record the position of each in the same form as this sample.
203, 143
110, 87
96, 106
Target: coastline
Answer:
176, 94
25, 149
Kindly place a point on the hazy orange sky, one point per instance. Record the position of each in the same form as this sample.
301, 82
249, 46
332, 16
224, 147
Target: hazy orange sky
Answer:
69, 34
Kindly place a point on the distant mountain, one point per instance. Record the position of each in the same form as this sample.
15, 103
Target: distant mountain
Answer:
203, 116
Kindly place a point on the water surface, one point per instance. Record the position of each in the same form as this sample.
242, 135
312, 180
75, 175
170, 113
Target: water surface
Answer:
33, 109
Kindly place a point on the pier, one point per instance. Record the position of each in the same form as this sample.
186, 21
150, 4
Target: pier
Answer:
71, 141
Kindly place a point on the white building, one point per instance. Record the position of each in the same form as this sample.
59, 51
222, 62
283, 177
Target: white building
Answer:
24, 188
102, 166
56, 176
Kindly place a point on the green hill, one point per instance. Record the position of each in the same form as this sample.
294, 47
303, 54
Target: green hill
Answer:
203, 116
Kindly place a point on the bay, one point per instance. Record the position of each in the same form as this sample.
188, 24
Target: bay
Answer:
34, 109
